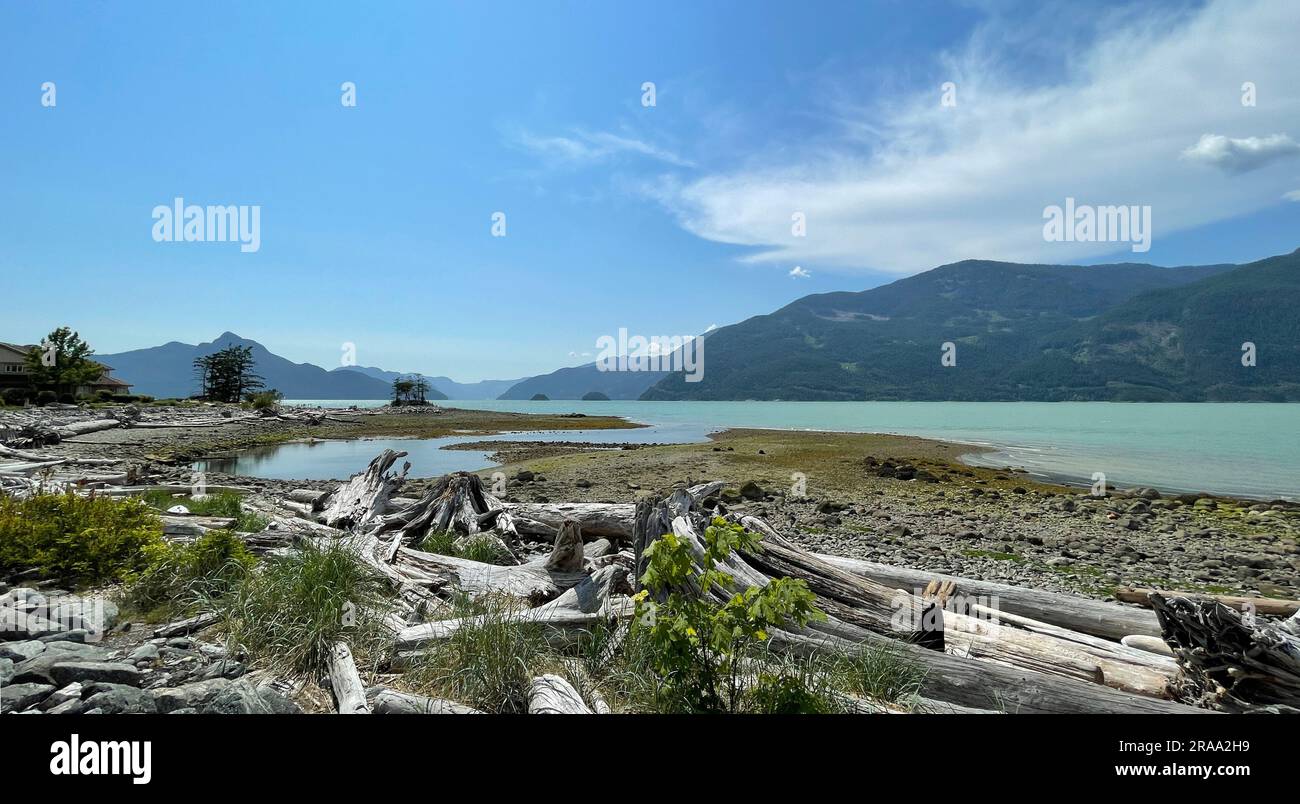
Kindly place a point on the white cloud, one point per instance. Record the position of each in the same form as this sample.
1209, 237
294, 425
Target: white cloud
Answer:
798, 272
909, 185
1294, 195
1242, 154
591, 147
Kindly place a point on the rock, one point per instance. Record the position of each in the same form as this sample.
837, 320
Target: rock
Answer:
75, 635
582, 483
190, 696
37, 668
144, 654
242, 698
66, 708
524, 476
178, 509
21, 651
65, 673
750, 490
72, 692
118, 699
17, 697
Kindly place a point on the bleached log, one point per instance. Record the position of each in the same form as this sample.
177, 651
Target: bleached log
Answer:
385, 701
83, 428
1270, 606
345, 682
531, 582
552, 695
1074, 612
598, 520
594, 600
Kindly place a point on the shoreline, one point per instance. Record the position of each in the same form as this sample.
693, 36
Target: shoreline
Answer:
894, 499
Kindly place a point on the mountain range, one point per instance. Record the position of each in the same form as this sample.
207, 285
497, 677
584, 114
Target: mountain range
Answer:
972, 330
1126, 332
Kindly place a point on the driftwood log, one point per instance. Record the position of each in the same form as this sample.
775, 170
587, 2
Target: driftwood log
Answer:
1269, 606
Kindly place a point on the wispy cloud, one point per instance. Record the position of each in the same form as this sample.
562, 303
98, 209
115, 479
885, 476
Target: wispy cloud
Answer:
909, 184
1294, 195
1243, 154
585, 148
798, 272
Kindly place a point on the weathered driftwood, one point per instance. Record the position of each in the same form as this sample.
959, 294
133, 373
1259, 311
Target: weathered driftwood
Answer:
188, 625
385, 701
457, 504
567, 554
598, 520
598, 598
862, 610
1235, 663
345, 682
532, 582
365, 497
1076, 613
552, 695
1270, 606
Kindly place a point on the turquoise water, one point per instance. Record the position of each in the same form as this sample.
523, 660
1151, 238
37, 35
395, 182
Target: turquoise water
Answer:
1245, 449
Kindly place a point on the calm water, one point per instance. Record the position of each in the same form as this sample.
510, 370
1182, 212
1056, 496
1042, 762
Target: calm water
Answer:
1246, 449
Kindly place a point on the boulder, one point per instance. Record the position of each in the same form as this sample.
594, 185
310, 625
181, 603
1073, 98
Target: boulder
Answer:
117, 699
17, 697
190, 696
65, 673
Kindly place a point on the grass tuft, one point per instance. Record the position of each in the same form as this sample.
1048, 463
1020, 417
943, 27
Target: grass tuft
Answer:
288, 614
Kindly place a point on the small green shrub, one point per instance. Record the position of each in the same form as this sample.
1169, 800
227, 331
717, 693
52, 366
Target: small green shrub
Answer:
699, 645
16, 397
264, 400
76, 539
289, 612
180, 578
44, 398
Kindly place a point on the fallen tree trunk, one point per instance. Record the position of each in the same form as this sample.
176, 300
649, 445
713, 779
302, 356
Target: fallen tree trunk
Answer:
1271, 606
345, 682
594, 600
552, 695
598, 520
858, 607
1074, 612
531, 582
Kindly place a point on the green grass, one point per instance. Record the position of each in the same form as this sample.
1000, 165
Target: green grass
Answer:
182, 579
482, 548
289, 613
223, 503
489, 665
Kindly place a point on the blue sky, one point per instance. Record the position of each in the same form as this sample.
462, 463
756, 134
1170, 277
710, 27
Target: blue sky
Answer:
376, 220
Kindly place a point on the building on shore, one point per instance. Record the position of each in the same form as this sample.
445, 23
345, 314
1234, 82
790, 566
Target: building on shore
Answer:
14, 374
